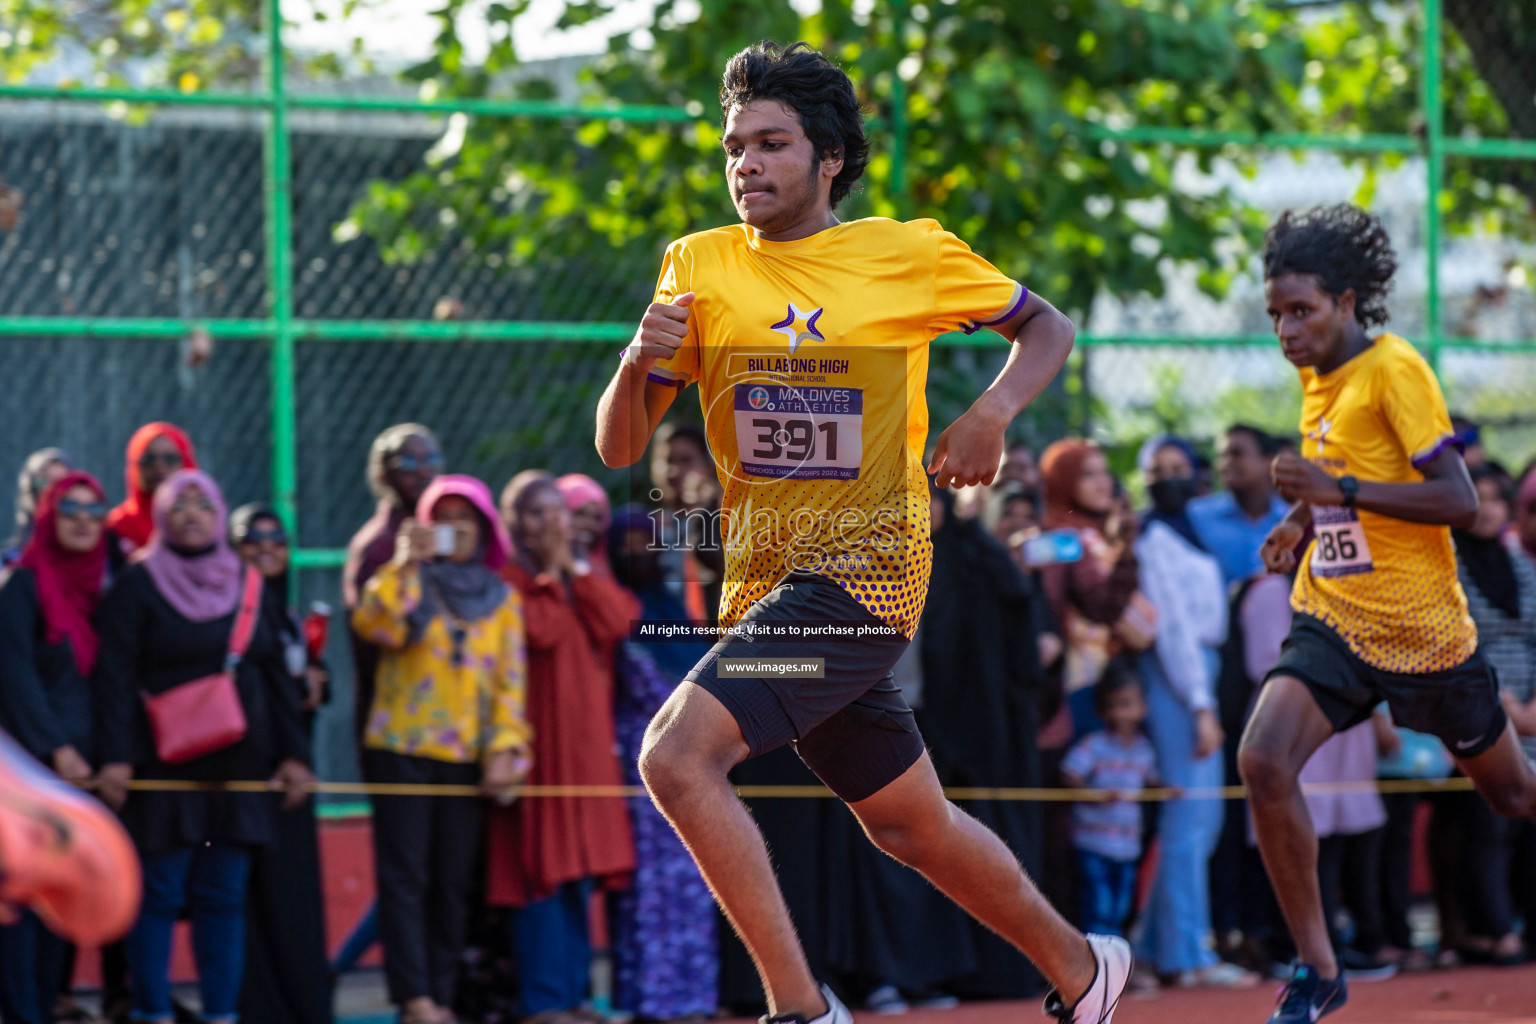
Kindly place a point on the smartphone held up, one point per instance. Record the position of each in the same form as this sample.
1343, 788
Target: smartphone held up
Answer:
1054, 547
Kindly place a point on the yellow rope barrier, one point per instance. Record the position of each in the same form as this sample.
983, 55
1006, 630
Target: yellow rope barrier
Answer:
1002, 793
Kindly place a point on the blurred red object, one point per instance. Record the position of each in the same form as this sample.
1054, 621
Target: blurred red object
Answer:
317, 626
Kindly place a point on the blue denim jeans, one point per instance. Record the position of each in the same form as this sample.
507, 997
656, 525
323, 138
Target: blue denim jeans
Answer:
554, 952
1105, 888
1178, 911
32, 963
208, 881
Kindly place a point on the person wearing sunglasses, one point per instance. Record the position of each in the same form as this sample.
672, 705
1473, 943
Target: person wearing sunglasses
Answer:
155, 451
286, 978
184, 616
402, 462
448, 709
42, 468
47, 652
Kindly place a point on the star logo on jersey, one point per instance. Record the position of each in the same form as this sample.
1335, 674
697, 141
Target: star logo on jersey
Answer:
1320, 435
799, 326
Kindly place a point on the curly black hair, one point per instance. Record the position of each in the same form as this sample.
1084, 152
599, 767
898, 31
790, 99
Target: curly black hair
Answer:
813, 87
1344, 247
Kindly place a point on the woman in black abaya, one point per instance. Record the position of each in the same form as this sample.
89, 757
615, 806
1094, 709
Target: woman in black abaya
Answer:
981, 669
287, 980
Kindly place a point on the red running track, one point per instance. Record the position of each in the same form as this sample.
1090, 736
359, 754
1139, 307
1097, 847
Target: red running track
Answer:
1462, 996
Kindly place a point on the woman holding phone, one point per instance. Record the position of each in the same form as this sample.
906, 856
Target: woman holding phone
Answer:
1094, 602
448, 709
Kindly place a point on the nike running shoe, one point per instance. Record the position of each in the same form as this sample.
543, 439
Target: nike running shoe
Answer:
63, 854
836, 1013
1113, 960
1307, 998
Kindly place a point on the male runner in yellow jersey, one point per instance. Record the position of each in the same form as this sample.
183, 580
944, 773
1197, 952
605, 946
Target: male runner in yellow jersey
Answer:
808, 338
1379, 614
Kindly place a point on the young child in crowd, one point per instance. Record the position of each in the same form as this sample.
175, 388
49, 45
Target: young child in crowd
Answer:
1107, 833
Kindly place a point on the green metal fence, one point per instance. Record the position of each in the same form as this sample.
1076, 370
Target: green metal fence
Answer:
293, 378
283, 328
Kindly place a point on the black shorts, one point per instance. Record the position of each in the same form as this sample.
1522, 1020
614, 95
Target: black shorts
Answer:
852, 727
1460, 706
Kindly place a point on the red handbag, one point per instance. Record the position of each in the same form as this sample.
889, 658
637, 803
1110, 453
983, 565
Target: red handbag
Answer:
205, 715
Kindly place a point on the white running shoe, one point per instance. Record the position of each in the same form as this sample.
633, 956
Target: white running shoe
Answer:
1113, 960
836, 1013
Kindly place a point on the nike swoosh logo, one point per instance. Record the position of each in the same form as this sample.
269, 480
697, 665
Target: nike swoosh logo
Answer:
1468, 745
1317, 1011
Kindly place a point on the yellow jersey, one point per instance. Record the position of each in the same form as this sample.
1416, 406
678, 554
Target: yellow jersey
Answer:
1386, 586
812, 359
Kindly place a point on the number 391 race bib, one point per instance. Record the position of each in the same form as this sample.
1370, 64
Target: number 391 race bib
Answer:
809, 433
1340, 548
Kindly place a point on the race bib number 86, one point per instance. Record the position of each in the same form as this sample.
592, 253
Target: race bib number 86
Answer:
1340, 548
809, 433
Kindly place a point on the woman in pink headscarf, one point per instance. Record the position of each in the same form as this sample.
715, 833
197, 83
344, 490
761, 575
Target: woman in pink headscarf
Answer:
548, 855
590, 514
447, 710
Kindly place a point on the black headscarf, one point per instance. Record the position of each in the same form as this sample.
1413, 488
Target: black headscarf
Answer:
274, 594
1170, 498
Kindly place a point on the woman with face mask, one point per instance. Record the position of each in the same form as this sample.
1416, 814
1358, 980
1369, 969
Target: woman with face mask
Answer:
1184, 585
1163, 461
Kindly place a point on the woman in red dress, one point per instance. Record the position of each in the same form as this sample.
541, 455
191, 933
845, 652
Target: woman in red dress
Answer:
549, 854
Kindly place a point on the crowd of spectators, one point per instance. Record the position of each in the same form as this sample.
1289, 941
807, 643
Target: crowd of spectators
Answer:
1068, 640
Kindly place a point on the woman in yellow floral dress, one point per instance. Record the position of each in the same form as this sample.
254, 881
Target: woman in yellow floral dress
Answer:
448, 708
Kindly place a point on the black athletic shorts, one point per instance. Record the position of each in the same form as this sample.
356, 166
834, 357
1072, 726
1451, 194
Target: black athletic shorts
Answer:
852, 727
1460, 706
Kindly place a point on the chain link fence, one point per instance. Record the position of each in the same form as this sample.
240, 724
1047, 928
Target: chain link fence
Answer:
137, 225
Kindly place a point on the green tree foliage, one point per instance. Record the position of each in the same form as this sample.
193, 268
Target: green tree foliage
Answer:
190, 45
1003, 105
1001, 102
1364, 73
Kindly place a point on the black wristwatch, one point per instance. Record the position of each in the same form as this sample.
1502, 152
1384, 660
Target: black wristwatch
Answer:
1351, 488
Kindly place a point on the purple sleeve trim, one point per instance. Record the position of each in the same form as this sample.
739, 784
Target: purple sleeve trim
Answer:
1426, 457
1003, 317
668, 381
